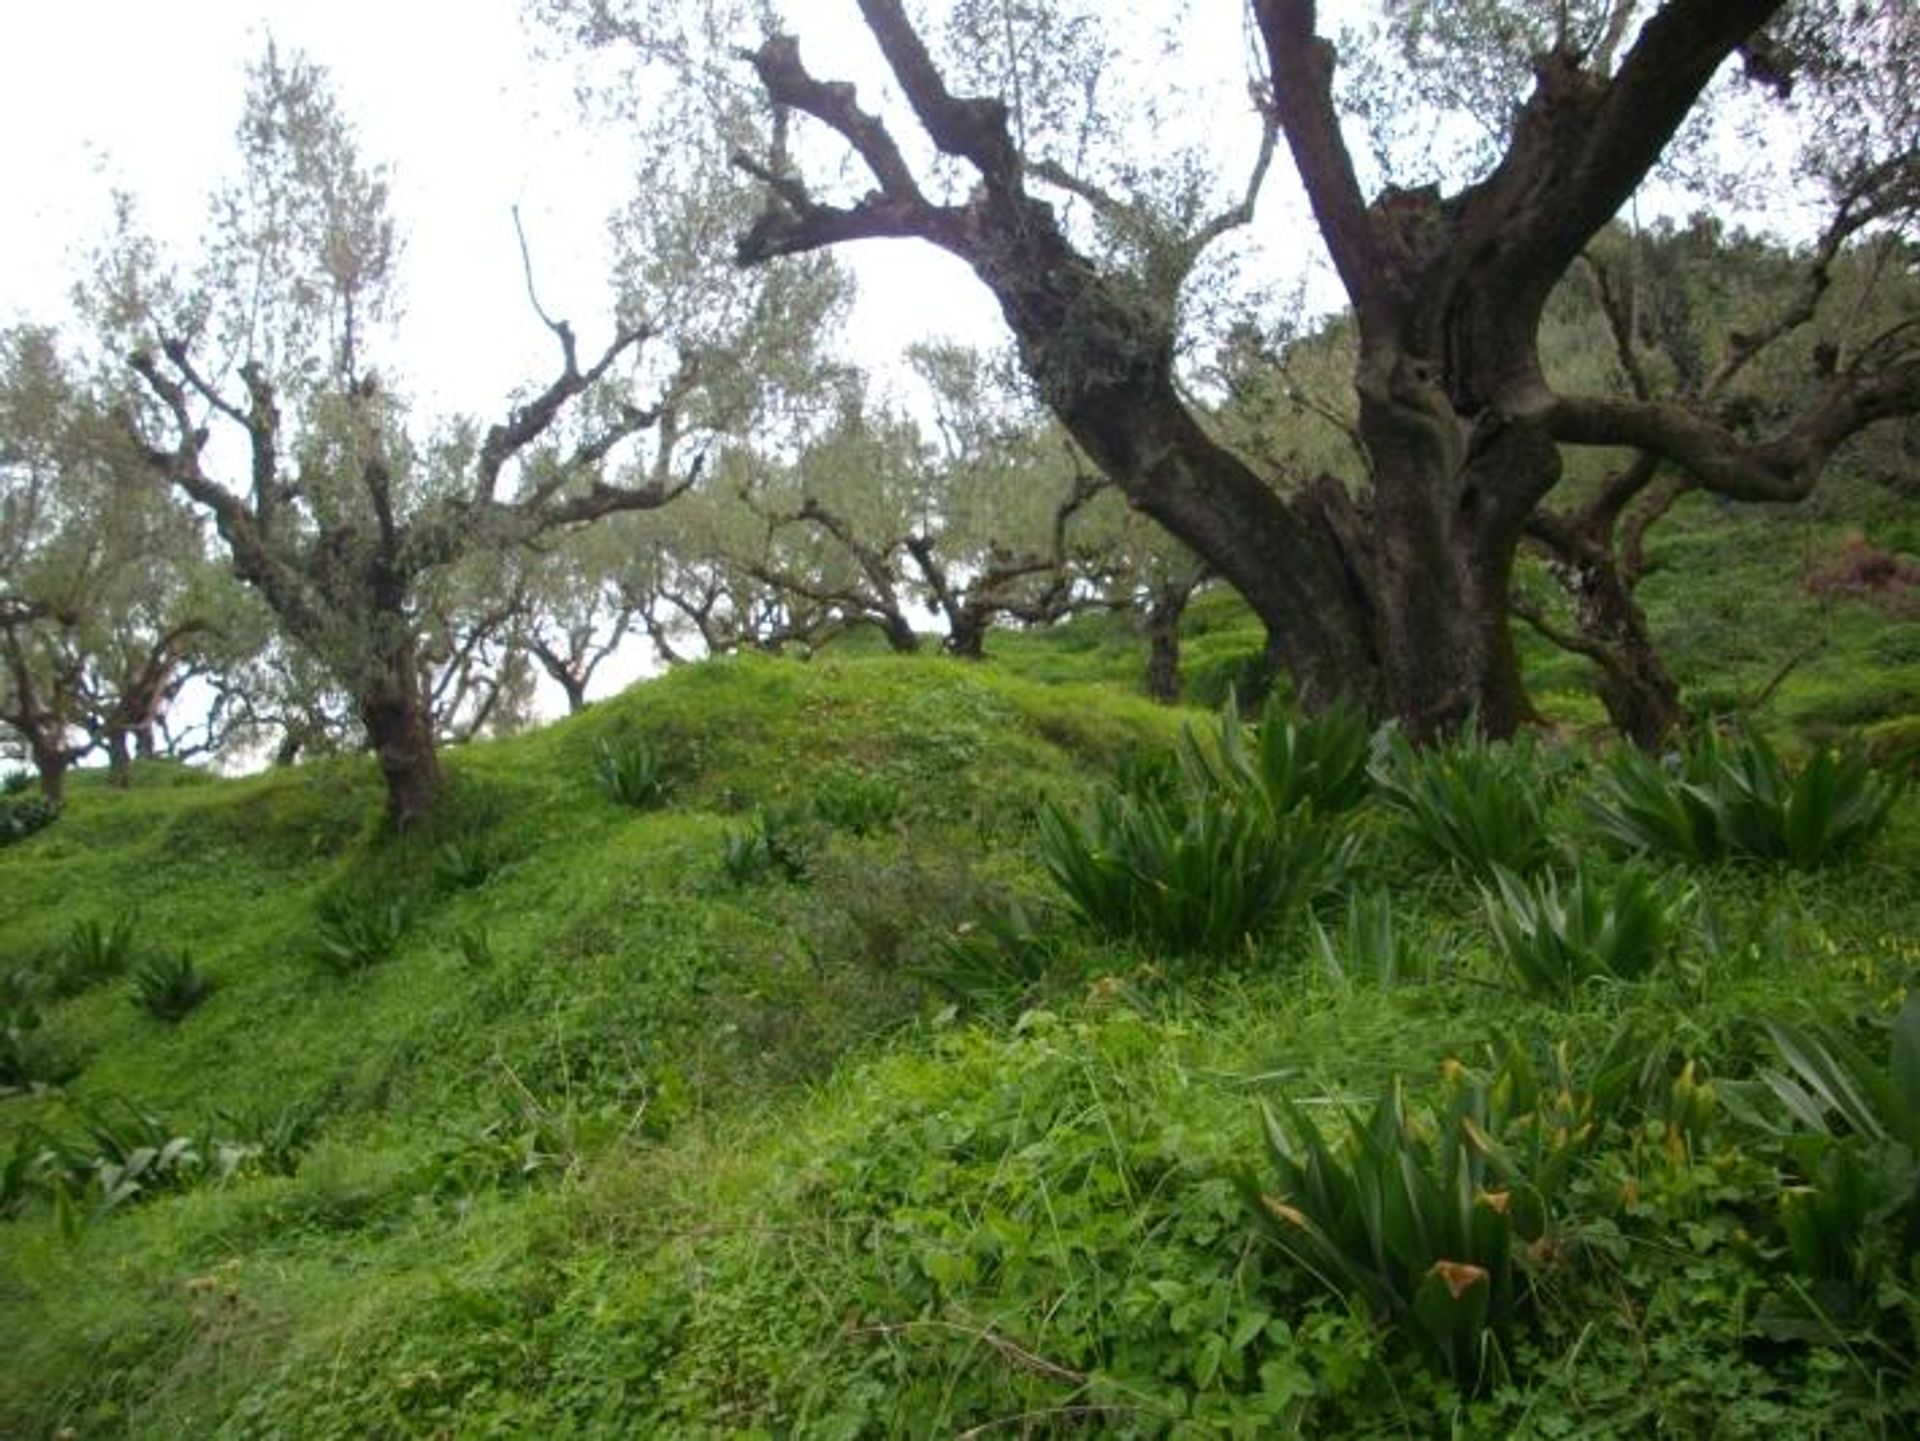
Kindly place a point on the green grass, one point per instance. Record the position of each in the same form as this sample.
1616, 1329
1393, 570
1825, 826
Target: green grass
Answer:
675, 1155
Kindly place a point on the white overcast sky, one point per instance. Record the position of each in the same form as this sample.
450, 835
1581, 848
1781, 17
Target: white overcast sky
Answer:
142, 96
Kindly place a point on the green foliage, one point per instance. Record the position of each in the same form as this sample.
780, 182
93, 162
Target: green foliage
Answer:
780, 841
632, 771
1000, 955
95, 951
1556, 941
1188, 874
1431, 1224
860, 802
1317, 762
168, 986
1372, 946
1470, 803
474, 946
1851, 1217
1734, 797
465, 861
21, 816
357, 930
27, 1056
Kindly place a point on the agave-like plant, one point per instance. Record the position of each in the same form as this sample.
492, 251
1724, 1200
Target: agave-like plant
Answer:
1188, 874
1292, 761
95, 950
357, 931
1370, 946
1424, 1224
1857, 1148
1000, 954
1734, 797
1555, 941
631, 771
1470, 803
169, 986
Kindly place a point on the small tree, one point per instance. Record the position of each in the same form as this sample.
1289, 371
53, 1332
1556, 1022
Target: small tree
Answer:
109, 605
345, 524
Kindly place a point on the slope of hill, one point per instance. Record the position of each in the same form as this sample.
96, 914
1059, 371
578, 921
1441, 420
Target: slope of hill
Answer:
707, 1116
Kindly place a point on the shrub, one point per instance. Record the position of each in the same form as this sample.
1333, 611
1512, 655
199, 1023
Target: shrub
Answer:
1188, 874
1293, 761
1470, 803
359, 931
21, 816
1371, 946
95, 950
1426, 1225
1733, 797
1554, 941
168, 986
631, 771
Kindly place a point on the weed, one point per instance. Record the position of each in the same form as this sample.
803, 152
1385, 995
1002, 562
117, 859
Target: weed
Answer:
1556, 941
95, 951
1734, 797
1471, 803
358, 931
168, 986
631, 771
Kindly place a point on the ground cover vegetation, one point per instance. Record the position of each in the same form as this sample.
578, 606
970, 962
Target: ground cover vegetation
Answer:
926, 1030
940, 1085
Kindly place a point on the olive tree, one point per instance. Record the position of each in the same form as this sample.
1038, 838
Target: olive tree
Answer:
345, 518
1011, 147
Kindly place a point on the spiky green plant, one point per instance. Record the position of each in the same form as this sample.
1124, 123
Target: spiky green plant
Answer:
1734, 797
1470, 803
169, 986
1555, 940
357, 931
631, 771
1370, 946
1000, 953
1425, 1222
1188, 875
95, 951
1294, 761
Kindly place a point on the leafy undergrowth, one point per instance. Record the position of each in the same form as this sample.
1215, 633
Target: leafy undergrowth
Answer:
790, 1099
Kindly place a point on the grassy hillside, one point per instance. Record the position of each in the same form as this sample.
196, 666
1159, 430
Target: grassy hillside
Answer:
746, 1110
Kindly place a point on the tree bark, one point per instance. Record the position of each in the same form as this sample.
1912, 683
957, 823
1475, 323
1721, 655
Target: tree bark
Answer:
399, 723
1400, 602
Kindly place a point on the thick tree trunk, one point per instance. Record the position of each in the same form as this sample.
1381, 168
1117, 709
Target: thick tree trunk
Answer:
51, 763
899, 632
399, 725
119, 760
1163, 617
967, 636
1641, 696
